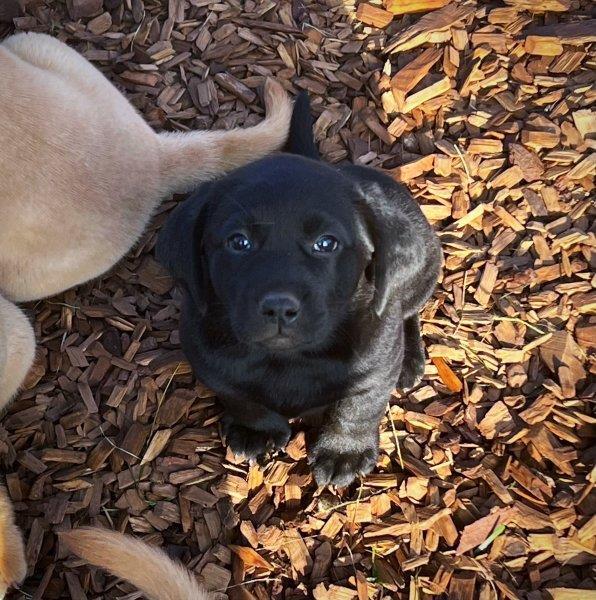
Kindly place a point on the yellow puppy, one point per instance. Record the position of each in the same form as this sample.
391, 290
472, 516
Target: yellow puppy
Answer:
81, 174
149, 569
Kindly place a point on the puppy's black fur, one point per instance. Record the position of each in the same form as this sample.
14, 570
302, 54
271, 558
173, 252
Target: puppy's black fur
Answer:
303, 284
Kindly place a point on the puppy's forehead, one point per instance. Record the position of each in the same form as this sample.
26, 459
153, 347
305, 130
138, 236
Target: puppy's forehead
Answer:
289, 187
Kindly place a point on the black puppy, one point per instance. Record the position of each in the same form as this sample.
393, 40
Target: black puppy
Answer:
303, 285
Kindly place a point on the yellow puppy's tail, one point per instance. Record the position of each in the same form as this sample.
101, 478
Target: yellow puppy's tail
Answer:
188, 159
13, 566
150, 569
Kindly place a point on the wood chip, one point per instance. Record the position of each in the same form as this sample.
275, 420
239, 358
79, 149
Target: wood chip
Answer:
373, 15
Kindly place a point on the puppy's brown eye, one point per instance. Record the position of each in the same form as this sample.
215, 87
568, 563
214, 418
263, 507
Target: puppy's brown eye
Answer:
326, 243
239, 243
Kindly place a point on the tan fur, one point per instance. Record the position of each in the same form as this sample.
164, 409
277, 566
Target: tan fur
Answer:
149, 569
12, 554
17, 349
81, 174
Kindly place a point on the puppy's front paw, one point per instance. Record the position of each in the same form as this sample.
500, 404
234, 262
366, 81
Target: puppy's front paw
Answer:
252, 444
412, 369
338, 459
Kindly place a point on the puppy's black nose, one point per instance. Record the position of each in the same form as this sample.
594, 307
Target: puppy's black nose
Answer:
283, 308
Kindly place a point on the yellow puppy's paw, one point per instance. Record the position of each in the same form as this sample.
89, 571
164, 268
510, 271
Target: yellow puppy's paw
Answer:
13, 566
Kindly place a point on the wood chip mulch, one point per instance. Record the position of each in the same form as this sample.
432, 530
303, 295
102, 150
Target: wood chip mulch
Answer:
485, 484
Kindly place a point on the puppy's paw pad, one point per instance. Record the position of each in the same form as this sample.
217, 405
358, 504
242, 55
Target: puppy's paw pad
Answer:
342, 469
252, 444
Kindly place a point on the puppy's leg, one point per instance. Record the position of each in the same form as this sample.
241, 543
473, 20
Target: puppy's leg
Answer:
252, 430
192, 158
13, 566
17, 349
412, 368
348, 444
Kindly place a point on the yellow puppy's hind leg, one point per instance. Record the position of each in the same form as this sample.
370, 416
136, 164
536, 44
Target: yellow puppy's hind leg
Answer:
17, 350
13, 566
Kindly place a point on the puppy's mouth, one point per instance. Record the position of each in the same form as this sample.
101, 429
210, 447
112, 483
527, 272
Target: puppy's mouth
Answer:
280, 341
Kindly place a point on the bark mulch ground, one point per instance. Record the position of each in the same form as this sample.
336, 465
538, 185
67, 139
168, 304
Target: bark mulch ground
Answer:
485, 484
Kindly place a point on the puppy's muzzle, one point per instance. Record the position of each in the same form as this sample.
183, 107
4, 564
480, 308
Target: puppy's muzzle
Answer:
280, 309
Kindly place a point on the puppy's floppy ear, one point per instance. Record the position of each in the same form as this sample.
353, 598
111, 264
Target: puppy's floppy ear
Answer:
301, 139
401, 238
180, 245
